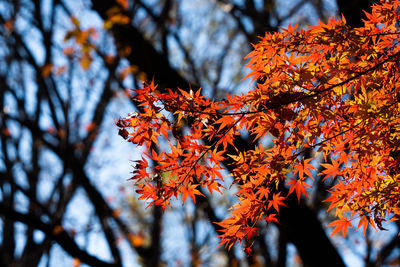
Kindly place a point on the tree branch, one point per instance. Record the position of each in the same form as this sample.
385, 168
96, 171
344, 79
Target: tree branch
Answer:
61, 237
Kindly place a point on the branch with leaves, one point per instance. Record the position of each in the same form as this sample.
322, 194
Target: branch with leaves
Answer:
330, 88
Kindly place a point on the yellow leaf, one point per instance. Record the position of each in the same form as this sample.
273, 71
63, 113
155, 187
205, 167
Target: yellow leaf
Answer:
137, 240
46, 69
75, 21
85, 62
119, 19
76, 262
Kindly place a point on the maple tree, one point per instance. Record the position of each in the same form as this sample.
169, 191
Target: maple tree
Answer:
330, 89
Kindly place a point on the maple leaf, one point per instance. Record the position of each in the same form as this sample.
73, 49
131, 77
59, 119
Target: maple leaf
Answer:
270, 218
304, 168
276, 201
217, 156
250, 231
364, 223
331, 169
190, 190
213, 186
340, 225
298, 185
248, 250
263, 192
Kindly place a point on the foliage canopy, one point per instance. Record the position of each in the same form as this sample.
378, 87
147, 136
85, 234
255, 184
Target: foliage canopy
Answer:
329, 91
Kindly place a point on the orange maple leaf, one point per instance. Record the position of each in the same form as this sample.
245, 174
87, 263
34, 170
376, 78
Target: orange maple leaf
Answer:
190, 190
331, 169
298, 185
276, 201
340, 225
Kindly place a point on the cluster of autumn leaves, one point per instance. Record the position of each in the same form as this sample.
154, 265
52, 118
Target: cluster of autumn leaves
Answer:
330, 90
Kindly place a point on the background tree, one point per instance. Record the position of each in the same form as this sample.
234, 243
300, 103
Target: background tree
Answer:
61, 86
